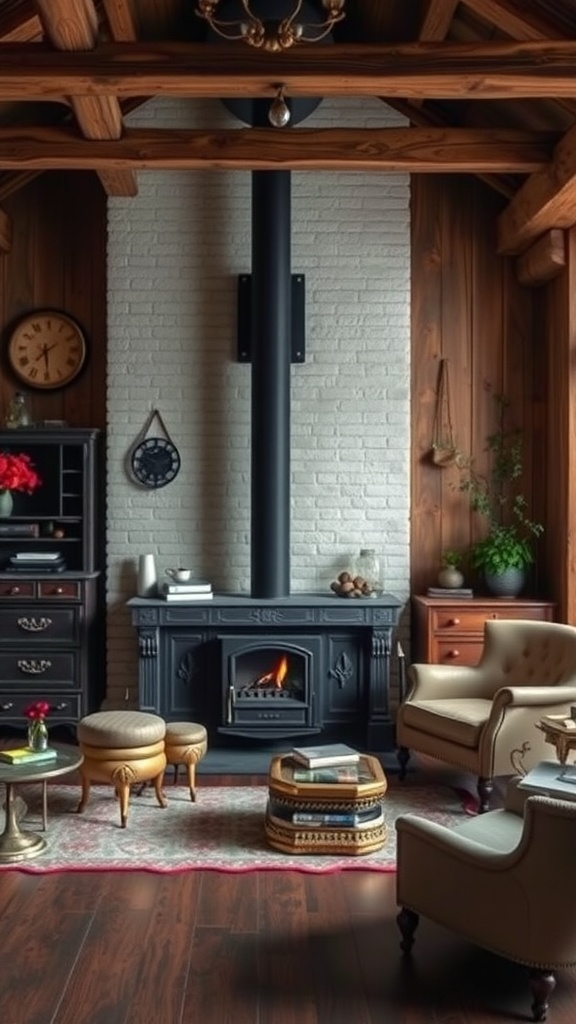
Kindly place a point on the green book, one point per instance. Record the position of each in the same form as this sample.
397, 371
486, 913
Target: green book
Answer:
25, 755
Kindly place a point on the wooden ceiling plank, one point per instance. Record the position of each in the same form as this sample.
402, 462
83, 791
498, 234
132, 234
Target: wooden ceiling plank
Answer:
18, 23
119, 14
457, 150
518, 24
72, 25
487, 70
543, 260
5, 232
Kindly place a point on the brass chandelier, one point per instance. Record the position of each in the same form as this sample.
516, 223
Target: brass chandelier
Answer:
272, 34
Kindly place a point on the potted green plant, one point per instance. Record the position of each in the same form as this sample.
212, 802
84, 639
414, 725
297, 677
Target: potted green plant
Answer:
450, 575
507, 549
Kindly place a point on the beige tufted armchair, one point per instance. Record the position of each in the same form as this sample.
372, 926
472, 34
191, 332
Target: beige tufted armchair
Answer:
503, 880
482, 719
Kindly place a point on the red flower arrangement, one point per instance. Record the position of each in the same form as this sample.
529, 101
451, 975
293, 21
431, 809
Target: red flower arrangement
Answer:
37, 711
17, 473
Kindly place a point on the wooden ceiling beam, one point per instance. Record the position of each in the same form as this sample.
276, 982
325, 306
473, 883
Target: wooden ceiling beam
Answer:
546, 200
119, 14
516, 23
543, 260
72, 25
436, 20
465, 71
457, 150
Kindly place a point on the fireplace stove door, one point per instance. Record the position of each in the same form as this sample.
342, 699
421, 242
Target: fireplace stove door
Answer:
269, 687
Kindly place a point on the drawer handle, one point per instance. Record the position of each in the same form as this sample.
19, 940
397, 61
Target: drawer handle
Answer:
454, 654
35, 667
57, 590
7, 707
35, 625
14, 591
61, 706
453, 622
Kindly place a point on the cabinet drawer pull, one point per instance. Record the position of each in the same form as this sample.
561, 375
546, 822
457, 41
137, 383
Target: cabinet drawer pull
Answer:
34, 625
7, 707
453, 622
14, 591
61, 706
35, 667
453, 654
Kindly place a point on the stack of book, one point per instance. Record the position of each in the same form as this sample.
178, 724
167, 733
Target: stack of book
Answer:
460, 592
25, 755
326, 756
192, 590
37, 561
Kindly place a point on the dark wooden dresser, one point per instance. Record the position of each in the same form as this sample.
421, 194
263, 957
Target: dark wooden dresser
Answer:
450, 631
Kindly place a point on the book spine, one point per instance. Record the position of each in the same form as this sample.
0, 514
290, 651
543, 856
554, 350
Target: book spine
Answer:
19, 530
301, 818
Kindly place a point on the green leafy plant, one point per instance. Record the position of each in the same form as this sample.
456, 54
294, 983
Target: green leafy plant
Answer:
508, 543
452, 559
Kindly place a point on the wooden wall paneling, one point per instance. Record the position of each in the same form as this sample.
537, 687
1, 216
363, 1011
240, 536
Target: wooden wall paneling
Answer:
58, 260
426, 303
488, 328
458, 245
559, 302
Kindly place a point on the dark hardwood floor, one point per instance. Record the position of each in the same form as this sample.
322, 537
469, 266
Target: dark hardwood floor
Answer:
263, 948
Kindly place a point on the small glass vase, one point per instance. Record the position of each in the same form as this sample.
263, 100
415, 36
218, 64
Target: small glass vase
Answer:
38, 734
6, 504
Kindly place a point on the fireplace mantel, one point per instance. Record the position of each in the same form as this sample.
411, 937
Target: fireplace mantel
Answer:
182, 675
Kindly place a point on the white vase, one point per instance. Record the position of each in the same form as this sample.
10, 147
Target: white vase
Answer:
147, 577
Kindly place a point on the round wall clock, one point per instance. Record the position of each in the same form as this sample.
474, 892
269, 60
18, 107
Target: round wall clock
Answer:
47, 349
155, 462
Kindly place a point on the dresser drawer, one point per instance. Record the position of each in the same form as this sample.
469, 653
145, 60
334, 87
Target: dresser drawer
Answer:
63, 707
39, 668
39, 625
458, 652
58, 589
16, 589
471, 620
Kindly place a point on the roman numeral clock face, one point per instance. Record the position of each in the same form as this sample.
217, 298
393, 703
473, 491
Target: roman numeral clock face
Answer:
47, 350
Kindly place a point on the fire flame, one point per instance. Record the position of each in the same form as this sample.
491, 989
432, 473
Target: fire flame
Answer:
277, 676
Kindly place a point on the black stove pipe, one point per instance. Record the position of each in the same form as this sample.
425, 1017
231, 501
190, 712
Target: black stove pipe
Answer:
271, 304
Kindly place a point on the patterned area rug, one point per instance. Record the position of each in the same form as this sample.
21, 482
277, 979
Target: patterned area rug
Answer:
222, 831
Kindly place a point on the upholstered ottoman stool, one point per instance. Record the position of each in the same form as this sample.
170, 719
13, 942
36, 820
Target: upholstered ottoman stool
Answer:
186, 743
123, 748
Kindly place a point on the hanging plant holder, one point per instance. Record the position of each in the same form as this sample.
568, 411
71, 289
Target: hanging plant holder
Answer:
154, 461
443, 452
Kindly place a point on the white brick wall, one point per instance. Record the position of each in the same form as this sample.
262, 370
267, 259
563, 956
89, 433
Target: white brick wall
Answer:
175, 252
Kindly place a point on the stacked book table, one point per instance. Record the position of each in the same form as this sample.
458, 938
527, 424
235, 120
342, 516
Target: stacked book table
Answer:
325, 817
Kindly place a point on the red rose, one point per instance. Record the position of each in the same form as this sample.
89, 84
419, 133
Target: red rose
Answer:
17, 473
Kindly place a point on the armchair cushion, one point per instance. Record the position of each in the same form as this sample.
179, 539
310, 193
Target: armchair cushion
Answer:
459, 721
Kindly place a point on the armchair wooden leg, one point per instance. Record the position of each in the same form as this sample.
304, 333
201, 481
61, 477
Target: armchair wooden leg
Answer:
542, 985
407, 921
485, 787
402, 756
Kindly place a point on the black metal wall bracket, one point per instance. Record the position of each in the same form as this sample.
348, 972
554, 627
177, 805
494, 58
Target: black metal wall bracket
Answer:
298, 344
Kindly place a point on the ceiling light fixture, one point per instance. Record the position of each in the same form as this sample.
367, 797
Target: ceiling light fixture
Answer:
270, 33
279, 113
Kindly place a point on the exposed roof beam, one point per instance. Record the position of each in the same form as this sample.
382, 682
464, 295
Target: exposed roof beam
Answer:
494, 70
120, 19
72, 25
458, 150
507, 16
543, 261
18, 24
431, 119
437, 20
546, 200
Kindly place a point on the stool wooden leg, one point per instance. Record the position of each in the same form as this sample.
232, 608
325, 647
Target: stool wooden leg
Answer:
85, 794
157, 783
123, 794
191, 772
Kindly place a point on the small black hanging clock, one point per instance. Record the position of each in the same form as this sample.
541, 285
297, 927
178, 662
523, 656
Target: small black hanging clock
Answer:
154, 461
